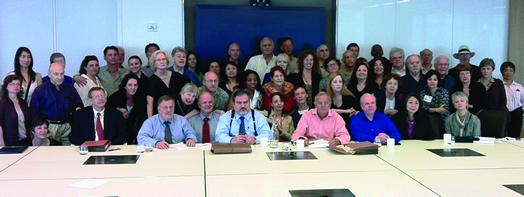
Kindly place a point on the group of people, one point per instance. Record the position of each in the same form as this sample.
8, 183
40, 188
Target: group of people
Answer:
161, 103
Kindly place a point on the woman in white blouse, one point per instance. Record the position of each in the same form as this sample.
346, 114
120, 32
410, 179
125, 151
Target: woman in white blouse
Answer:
88, 69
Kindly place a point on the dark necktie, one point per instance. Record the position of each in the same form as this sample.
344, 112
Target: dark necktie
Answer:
99, 128
205, 131
167, 133
242, 129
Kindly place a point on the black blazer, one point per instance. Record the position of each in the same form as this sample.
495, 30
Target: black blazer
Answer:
83, 127
9, 121
477, 97
422, 129
296, 80
380, 95
138, 114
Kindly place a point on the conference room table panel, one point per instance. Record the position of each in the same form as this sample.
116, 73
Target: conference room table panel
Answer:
63, 153
481, 182
379, 183
8, 159
66, 163
413, 155
519, 143
258, 162
145, 186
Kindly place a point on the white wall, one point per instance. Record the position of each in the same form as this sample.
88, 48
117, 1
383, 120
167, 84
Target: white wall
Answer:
413, 25
26, 23
85, 27
136, 14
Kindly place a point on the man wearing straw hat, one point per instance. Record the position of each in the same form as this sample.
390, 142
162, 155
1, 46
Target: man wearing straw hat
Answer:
464, 55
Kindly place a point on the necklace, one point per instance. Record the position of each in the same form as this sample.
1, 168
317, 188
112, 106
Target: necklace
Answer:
163, 78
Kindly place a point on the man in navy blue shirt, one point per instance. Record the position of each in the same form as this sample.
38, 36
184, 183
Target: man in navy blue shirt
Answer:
55, 101
370, 125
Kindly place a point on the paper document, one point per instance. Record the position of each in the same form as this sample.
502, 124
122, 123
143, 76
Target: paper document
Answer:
319, 144
485, 140
90, 183
182, 146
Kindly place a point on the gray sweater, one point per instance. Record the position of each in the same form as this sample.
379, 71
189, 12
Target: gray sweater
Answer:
471, 126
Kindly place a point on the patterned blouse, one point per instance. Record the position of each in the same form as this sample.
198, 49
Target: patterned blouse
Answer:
441, 97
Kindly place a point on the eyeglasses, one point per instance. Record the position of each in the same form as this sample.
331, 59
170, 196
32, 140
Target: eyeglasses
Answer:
161, 60
167, 107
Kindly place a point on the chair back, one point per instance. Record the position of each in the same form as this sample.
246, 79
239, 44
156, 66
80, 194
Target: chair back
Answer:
493, 123
436, 125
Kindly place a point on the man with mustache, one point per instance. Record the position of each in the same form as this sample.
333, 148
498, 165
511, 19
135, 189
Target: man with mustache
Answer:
242, 124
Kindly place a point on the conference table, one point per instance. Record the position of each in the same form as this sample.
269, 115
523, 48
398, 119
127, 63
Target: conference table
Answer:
410, 169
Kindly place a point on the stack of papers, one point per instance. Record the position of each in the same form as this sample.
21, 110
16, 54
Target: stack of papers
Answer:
485, 140
318, 144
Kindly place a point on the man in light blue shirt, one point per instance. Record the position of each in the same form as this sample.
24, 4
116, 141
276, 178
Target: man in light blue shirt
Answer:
242, 124
166, 127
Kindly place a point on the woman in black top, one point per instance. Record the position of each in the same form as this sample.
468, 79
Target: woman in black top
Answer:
361, 81
163, 81
131, 101
229, 82
186, 103
411, 121
42, 137
309, 74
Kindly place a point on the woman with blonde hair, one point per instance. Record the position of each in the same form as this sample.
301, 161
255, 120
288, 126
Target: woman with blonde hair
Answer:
343, 100
282, 61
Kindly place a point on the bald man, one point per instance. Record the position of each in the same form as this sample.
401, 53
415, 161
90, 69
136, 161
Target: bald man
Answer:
56, 101
370, 125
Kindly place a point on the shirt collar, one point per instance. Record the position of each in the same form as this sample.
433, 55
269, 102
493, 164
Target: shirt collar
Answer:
101, 112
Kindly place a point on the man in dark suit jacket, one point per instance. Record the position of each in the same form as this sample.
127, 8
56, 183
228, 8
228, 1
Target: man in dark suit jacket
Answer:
98, 122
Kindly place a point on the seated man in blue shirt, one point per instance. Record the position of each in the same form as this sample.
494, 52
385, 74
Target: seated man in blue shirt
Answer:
370, 125
166, 127
241, 124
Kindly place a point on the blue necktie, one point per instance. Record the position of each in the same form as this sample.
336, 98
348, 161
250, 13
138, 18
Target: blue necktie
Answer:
242, 129
168, 136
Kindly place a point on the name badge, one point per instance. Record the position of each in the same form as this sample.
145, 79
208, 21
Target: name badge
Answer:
427, 98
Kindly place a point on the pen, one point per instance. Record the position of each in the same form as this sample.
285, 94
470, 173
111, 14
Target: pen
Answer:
114, 149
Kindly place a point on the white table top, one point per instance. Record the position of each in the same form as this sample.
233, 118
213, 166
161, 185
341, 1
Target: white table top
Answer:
66, 163
412, 155
483, 182
8, 159
144, 186
258, 162
379, 183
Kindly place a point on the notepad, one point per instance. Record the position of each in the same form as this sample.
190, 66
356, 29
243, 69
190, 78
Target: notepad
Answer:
485, 140
89, 183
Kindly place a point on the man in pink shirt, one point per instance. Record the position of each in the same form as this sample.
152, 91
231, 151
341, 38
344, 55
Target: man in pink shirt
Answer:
322, 123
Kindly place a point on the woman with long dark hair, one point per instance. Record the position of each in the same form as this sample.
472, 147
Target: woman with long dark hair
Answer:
411, 121
131, 101
24, 70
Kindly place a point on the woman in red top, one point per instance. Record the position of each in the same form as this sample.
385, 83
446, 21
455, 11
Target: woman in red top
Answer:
278, 84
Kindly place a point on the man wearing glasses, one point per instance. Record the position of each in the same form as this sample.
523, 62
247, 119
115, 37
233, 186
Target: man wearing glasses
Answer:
166, 127
242, 125
220, 96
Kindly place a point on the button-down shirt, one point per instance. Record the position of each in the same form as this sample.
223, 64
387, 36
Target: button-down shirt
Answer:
226, 131
363, 129
258, 64
55, 104
153, 130
220, 98
514, 95
109, 82
313, 128
197, 122
101, 120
